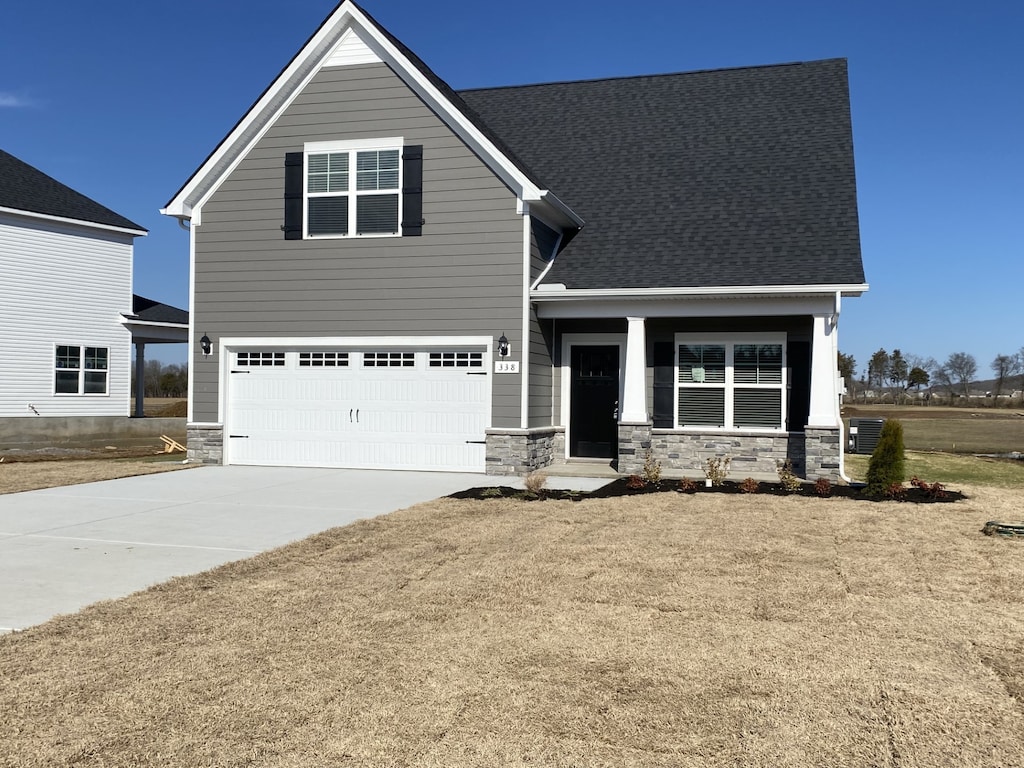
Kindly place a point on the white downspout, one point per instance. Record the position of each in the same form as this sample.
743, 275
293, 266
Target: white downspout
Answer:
835, 354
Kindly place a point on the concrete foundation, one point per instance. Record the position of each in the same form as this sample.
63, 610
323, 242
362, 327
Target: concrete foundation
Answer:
86, 432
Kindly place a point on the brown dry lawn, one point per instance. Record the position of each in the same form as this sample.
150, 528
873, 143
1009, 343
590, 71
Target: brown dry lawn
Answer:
22, 475
660, 630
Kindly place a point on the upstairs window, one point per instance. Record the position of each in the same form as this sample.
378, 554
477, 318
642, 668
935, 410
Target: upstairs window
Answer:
81, 370
731, 384
353, 189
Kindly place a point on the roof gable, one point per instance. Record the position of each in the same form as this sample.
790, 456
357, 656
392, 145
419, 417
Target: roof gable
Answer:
350, 35
28, 190
738, 177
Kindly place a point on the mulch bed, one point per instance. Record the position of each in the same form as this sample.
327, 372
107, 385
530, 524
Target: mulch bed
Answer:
621, 487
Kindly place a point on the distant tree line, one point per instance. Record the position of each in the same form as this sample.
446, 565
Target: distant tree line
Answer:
161, 380
899, 376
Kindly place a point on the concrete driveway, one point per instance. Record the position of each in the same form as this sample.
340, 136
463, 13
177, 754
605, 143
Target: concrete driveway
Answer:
64, 548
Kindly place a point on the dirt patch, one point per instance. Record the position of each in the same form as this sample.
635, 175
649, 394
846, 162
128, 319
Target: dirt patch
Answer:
662, 629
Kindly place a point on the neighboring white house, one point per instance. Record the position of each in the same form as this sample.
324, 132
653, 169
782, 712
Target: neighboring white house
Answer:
65, 293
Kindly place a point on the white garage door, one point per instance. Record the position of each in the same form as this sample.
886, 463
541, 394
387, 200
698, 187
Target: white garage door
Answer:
386, 408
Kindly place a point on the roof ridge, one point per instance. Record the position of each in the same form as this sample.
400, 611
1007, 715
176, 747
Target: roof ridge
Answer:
654, 75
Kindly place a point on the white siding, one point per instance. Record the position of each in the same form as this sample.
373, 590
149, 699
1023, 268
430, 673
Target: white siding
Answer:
61, 284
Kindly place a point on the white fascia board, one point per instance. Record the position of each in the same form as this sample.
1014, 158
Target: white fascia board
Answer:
229, 153
76, 222
188, 202
692, 306
153, 324
555, 293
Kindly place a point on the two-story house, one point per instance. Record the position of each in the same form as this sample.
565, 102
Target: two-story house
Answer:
389, 273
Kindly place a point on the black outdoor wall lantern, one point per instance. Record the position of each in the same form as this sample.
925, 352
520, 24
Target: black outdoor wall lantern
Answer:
503, 346
206, 345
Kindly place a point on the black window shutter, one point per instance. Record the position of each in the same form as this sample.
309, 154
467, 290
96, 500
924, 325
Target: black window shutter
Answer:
412, 190
293, 195
664, 384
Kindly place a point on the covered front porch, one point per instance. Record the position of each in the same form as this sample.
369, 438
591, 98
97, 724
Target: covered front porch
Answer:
683, 379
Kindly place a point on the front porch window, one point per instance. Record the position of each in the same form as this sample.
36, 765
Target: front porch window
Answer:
735, 383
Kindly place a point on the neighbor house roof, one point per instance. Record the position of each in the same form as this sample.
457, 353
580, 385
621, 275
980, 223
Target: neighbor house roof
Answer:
735, 177
152, 311
27, 189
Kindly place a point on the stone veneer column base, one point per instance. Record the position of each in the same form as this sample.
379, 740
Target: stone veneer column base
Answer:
823, 453
205, 443
634, 442
522, 451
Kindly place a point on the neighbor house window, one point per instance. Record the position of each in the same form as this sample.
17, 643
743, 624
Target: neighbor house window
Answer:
81, 370
730, 384
353, 188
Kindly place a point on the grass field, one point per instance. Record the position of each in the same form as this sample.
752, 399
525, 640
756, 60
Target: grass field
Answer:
661, 630
952, 430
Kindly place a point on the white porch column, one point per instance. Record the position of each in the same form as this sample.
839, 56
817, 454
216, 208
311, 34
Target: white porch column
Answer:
634, 394
824, 410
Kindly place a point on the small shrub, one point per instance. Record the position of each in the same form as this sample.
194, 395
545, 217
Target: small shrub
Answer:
896, 492
534, 482
787, 477
716, 468
652, 468
491, 493
885, 468
750, 485
635, 482
823, 487
932, 491
686, 485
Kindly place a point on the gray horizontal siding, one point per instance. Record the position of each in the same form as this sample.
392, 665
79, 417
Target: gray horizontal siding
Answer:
462, 277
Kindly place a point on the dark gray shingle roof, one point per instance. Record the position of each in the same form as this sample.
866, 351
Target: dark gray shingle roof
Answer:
25, 188
157, 312
732, 177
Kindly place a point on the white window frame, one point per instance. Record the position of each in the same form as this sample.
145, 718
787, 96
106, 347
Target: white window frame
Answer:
352, 148
81, 370
730, 342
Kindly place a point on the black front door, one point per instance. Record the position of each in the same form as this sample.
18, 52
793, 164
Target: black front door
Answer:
594, 401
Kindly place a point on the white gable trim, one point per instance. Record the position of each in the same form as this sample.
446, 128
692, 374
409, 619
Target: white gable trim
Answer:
347, 18
76, 222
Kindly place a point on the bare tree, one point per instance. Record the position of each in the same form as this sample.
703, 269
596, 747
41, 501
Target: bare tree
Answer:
961, 367
1005, 367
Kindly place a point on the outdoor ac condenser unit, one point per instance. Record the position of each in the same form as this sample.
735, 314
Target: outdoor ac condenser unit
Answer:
864, 434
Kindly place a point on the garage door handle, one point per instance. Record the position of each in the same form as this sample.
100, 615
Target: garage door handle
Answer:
349, 415
241, 371
476, 373
476, 442
357, 415
245, 436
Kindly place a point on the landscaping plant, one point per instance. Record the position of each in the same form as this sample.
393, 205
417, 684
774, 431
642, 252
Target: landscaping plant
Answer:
716, 468
787, 477
652, 468
886, 466
750, 485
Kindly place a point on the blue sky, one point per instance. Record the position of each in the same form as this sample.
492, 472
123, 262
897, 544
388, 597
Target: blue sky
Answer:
122, 100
